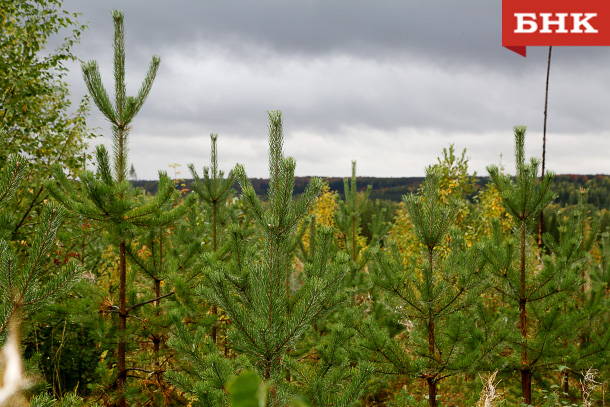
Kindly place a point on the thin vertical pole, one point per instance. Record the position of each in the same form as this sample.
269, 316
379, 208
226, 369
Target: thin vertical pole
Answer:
546, 102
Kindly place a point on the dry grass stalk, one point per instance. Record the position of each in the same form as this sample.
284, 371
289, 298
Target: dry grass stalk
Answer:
588, 385
489, 392
12, 377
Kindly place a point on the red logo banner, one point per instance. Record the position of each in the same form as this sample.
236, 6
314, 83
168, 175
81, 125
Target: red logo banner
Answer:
554, 22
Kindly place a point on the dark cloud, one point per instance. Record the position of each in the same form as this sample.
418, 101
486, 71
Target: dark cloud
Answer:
428, 72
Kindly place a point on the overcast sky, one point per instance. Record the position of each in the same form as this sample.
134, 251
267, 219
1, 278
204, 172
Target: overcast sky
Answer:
388, 83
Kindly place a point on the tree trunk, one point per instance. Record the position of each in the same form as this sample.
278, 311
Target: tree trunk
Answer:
526, 376
526, 386
267, 368
432, 384
215, 245
121, 367
156, 340
214, 326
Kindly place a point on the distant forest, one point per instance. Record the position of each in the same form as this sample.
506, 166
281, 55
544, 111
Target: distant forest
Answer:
392, 189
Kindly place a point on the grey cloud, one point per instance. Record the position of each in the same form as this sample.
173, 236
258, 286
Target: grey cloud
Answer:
428, 72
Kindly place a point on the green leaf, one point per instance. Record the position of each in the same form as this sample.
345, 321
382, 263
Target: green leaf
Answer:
299, 401
244, 390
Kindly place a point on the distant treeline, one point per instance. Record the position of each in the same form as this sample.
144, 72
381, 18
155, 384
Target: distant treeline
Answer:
567, 187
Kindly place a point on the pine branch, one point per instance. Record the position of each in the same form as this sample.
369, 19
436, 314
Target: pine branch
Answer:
148, 302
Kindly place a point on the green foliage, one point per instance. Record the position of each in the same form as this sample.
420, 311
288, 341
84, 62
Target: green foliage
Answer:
125, 107
333, 379
108, 198
28, 280
204, 370
68, 400
348, 219
247, 390
33, 96
433, 298
11, 177
267, 320
543, 293
37, 124
349, 222
454, 180
34, 101
272, 306
269, 301
525, 198
214, 190
567, 189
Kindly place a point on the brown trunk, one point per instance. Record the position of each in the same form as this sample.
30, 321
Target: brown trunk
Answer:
214, 327
226, 347
156, 339
156, 346
121, 367
214, 210
540, 231
157, 369
354, 238
522, 294
526, 386
526, 376
431, 391
431, 380
267, 369
214, 242
431, 347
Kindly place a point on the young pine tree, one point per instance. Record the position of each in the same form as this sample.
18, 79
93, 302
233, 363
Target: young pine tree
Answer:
160, 253
214, 190
537, 297
584, 342
203, 370
29, 279
349, 222
269, 308
433, 297
107, 195
596, 330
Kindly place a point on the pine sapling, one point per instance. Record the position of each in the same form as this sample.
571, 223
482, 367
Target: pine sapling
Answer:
349, 222
108, 196
544, 293
28, 278
214, 190
269, 311
433, 298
